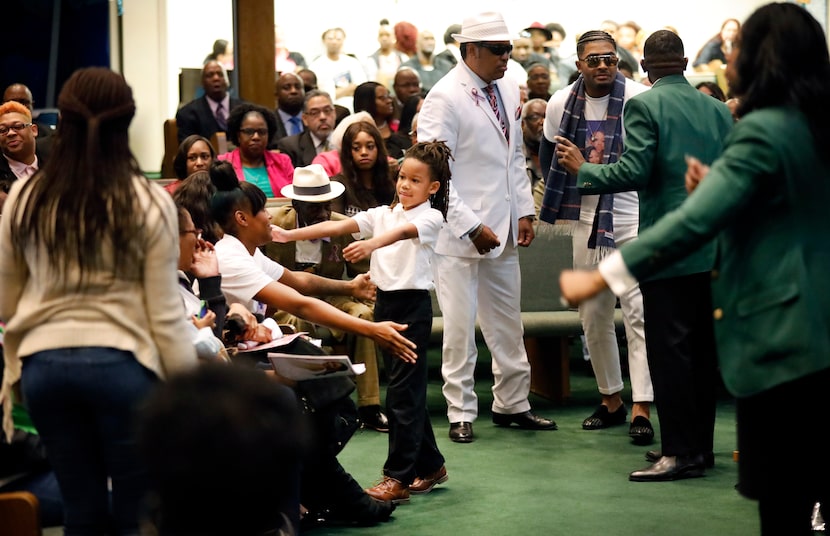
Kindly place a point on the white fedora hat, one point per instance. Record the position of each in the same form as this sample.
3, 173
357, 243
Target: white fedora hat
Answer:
484, 27
312, 184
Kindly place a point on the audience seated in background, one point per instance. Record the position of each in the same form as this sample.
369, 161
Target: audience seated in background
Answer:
20, 159
194, 193
195, 154
249, 128
451, 53
330, 160
410, 109
338, 74
289, 114
365, 171
406, 35
711, 89
21, 93
319, 120
285, 61
309, 79
538, 82
430, 69
375, 99
222, 52
325, 258
383, 63
209, 113
716, 51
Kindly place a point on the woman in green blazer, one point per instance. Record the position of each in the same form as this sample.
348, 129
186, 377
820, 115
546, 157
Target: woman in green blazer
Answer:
766, 203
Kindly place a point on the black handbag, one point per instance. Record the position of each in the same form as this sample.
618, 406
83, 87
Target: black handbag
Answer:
329, 407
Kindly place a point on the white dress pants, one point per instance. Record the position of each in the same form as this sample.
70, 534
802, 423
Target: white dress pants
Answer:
489, 289
597, 316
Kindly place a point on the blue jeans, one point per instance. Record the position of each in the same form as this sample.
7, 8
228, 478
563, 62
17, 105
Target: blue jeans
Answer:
82, 402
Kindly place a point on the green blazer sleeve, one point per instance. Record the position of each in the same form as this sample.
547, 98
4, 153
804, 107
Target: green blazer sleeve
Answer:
765, 201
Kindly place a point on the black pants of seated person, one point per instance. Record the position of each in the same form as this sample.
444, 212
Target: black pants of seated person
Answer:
326, 487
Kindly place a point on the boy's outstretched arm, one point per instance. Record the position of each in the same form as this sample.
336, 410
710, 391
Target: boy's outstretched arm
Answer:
361, 249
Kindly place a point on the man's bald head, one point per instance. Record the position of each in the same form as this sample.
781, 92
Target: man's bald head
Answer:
19, 93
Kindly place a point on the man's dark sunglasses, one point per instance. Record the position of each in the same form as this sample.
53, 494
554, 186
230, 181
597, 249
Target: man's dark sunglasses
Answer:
609, 59
498, 49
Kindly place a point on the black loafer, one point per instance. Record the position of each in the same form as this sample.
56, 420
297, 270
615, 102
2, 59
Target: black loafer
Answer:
527, 420
641, 432
670, 468
602, 418
372, 417
708, 458
461, 432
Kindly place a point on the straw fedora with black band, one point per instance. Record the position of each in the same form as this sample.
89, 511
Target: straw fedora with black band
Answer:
312, 184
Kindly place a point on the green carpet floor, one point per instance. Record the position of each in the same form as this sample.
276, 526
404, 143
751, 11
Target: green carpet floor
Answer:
564, 482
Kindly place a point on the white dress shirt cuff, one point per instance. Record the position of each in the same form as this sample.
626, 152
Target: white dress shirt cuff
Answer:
616, 274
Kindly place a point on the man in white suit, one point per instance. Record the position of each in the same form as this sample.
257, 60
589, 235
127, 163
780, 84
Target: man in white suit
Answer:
491, 212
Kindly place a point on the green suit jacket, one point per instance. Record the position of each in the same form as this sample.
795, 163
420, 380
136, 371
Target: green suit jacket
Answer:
766, 202
662, 125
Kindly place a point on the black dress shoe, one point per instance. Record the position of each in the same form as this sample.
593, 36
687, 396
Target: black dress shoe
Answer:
653, 456
527, 420
372, 417
670, 468
461, 432
602, 418
641, 432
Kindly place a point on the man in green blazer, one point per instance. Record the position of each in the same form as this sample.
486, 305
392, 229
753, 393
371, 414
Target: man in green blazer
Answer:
662, 127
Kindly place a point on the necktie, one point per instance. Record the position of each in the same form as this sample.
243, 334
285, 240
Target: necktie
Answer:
494, 104
295, 125
221, 120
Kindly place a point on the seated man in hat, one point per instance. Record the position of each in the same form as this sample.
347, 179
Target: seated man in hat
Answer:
325, 258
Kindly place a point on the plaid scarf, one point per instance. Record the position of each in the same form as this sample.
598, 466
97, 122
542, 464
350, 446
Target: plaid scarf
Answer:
562, 200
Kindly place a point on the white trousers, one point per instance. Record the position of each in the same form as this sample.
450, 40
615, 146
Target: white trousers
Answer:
597, 316
489, 289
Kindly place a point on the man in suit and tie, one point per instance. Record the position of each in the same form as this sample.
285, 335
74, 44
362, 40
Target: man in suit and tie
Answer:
477, 112
662, 125
290, 94
319, 119
208, 114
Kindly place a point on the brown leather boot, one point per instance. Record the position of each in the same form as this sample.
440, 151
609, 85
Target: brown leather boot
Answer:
390, 490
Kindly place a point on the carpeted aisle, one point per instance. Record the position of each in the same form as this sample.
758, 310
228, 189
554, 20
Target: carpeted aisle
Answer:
565, 482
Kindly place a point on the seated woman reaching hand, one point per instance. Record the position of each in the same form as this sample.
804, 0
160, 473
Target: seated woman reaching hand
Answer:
249, 128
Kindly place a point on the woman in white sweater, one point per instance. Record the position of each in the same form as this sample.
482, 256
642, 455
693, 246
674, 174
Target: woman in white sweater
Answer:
88, 255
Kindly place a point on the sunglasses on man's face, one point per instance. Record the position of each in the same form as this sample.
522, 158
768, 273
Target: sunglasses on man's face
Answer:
498, 49
594, 61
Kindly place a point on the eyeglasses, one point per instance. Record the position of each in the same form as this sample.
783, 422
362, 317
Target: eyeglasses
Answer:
594, 61
195, 232
314, 112
539, 76
497, 49
200, 156
530, 118
263, 132
17, 127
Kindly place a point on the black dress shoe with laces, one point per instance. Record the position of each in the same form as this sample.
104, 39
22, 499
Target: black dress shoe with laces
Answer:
653, 456
461, 432
670, 468
527, 420
372, 417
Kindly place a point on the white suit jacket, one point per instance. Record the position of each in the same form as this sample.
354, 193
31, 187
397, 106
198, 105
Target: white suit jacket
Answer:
489, 182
